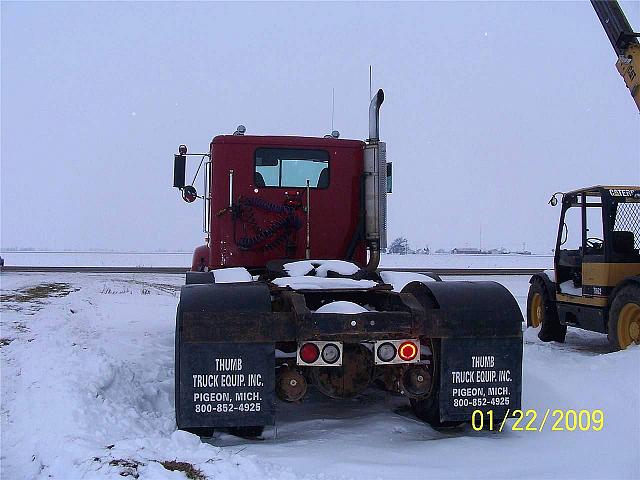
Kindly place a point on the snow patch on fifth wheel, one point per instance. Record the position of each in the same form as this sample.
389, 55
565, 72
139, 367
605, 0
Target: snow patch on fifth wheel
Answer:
319, 283
341, 306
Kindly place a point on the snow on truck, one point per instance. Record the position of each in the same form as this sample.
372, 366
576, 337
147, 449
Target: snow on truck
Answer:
286, 294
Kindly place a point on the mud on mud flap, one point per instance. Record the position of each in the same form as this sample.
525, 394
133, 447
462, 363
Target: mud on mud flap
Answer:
226, 385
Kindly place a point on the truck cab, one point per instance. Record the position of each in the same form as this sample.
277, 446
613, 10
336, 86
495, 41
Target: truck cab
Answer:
283, 197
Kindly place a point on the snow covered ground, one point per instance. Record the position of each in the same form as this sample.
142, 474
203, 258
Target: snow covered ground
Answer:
87, 392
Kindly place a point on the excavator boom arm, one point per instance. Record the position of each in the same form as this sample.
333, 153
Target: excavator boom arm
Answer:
624, 41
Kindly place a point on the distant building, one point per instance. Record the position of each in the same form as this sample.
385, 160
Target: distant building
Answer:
466, 251
498, 251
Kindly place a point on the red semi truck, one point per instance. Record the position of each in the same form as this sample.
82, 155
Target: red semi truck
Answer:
285, 295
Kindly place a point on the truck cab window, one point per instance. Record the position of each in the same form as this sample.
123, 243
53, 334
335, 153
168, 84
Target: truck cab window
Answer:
286, 167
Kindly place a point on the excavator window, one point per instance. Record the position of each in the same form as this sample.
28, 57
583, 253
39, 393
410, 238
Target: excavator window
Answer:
288, 167
625, 234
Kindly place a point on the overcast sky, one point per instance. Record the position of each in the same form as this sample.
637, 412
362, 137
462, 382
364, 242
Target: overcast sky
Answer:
489, 109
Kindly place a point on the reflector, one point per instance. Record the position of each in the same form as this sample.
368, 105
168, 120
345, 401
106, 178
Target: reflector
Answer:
330, 353
309, 352
386, 352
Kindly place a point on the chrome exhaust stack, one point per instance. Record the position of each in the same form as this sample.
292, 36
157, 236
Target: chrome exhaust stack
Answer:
375, 186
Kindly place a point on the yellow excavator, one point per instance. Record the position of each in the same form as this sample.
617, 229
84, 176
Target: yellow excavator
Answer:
595, 283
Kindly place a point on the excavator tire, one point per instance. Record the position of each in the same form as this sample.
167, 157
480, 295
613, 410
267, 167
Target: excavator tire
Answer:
624, 318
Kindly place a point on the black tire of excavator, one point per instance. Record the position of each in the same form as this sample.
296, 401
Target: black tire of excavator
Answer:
428, 409
627, 296
551, 328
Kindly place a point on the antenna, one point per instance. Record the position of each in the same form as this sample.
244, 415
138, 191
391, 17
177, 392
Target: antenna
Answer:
333, 105
370, 82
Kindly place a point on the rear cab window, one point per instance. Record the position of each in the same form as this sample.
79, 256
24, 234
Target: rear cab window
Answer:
289, 167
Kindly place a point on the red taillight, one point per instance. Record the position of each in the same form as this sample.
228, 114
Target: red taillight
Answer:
407, 351
309, 352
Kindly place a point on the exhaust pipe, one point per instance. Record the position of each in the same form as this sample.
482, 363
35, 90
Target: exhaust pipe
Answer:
374, 117
375, 186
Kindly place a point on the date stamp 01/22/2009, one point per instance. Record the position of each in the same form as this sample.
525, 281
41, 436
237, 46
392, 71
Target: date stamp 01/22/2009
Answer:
536, 421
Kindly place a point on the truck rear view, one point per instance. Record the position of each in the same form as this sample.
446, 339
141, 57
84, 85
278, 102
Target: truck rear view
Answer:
286, 294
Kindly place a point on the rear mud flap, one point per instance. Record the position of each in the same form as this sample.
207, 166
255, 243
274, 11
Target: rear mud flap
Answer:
226, 385
480, 374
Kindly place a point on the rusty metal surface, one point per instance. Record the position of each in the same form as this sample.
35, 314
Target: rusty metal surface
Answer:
483, 309
355, 374
256, 327
291, 385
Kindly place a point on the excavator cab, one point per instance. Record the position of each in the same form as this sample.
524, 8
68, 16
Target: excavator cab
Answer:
597, 260
598, 239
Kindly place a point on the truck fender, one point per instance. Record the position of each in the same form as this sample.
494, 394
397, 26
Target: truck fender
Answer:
193, 278
469, 308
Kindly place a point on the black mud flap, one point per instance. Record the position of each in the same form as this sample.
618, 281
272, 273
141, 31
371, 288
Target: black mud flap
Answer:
480, 327
480, 374
222, 383
226, 385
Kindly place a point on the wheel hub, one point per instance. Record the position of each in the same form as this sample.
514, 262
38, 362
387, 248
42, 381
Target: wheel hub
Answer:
537, 310
634, 330
629, 325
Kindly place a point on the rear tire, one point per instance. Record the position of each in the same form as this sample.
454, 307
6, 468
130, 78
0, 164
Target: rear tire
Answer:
246, 432
542, 312
624, 318
203, 432
428, 409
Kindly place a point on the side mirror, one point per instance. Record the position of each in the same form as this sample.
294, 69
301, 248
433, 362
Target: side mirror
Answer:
189, 194
553, 201
389, 177
179, 166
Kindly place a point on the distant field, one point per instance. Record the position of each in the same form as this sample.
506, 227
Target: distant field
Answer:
117, 259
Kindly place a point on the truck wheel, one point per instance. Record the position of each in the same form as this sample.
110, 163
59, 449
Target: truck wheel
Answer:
541, 311
624, 318
428, 409
246, 432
